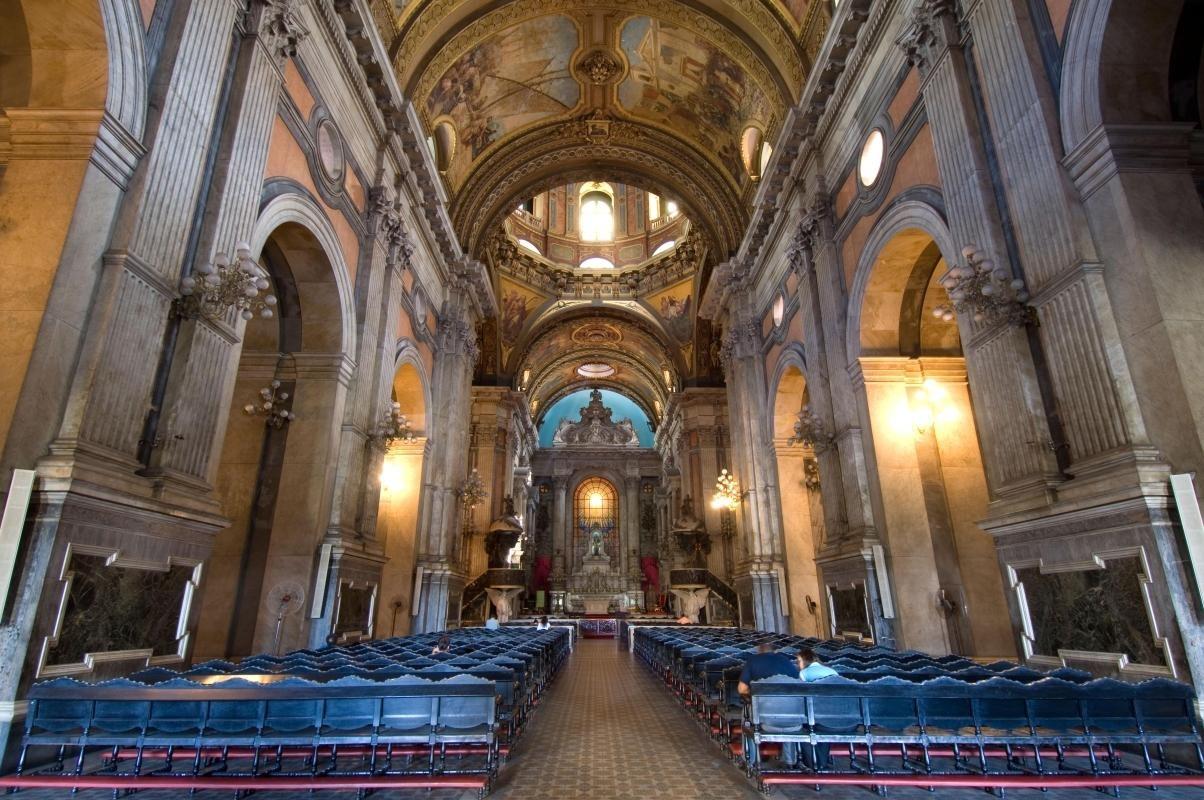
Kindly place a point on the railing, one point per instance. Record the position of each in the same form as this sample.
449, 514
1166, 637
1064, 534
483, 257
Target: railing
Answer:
724, 592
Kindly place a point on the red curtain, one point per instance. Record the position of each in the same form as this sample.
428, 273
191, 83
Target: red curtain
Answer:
651, 568
540, 573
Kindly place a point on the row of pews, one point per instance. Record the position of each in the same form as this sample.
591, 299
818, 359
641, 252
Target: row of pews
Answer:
381, 714
904, 718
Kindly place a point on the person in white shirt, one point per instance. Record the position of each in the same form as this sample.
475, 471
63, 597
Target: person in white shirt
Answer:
543, 624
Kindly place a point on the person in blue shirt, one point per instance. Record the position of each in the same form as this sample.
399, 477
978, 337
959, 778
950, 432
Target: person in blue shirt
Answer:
809, 671
765, 663
809, 668
492, 624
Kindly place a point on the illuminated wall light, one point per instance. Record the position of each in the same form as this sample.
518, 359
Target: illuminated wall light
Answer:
929, 405
390, 476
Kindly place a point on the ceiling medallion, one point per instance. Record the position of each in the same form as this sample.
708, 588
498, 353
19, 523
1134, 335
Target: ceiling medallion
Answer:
597, 333
595, 370
599, 67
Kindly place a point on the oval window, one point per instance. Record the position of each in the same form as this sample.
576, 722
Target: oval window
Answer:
869, 167
330, 150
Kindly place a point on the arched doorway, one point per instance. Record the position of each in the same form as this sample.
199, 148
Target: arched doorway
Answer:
401, 476
801, 504
925, 461
275, 481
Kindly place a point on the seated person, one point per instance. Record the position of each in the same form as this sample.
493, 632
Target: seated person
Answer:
492, 623
684, 620
443, 645
809, 667
543, 624
809, 671
765, 663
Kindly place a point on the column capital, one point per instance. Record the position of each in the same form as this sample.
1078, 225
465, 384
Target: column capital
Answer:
280, 27
933, 30
741, 339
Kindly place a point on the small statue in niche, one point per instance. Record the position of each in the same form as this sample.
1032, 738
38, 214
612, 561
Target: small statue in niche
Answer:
596, 549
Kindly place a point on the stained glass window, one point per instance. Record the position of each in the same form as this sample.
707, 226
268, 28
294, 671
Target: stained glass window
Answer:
596, 509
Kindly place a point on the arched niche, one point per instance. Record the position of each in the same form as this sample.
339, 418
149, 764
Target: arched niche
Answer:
924, 461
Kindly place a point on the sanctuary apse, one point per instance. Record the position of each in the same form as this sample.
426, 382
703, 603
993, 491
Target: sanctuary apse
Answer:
342, 319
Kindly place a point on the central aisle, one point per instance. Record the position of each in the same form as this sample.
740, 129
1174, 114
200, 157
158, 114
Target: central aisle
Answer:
608, 729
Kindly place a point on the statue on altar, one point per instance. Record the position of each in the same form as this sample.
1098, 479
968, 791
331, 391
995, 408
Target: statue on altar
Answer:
597, 548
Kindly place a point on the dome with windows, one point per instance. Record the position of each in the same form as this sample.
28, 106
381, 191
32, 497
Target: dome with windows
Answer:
598, 225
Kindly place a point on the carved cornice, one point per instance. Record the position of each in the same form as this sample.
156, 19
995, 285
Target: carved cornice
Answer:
680, 263
281, 29
376, 88
456, 336
741, 339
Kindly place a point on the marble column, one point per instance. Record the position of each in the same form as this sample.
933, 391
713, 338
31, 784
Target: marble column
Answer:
560, 527
451, 396
758, 576
998, 355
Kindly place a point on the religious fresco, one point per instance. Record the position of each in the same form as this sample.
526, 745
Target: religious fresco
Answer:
675, 307
681, 80
517, 302
517, 77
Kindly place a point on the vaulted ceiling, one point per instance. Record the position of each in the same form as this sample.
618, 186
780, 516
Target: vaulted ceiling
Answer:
524, 94
674, 97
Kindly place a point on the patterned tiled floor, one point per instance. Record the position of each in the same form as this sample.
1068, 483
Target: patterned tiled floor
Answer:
608, 730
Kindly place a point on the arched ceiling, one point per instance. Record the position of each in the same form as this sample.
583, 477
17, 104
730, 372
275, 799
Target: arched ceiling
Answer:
538, 92
548, 358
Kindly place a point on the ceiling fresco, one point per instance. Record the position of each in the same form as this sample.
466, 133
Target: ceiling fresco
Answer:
685, 79
681, 80
512, 79
536, 94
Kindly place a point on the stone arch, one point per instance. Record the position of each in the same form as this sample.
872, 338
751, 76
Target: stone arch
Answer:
409, 359
1115, 63
304, 212
41, 55
909, 215
790, 377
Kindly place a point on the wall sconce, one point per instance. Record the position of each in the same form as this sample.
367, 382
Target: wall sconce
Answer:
926, 405
390, 476
984, 291
472, 492
393, 427
809, 430
226, 284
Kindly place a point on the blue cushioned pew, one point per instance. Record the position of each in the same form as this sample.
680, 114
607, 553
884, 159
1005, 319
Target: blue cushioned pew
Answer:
906, 718
380, 714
